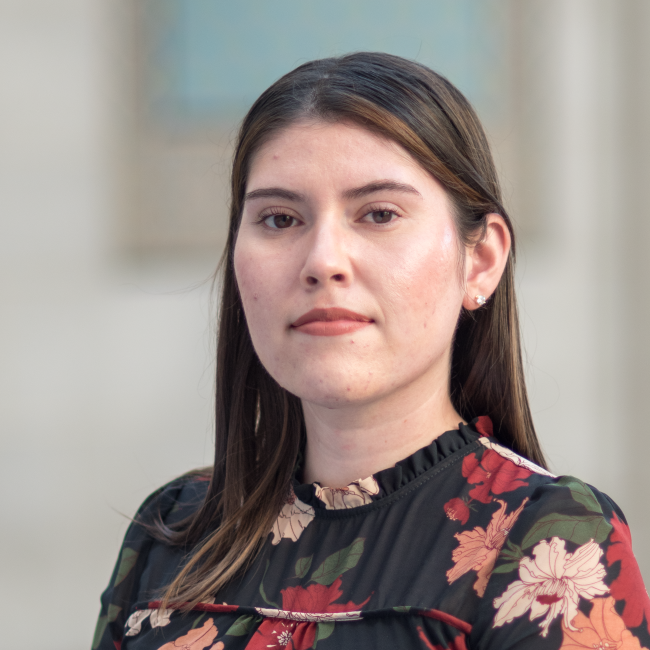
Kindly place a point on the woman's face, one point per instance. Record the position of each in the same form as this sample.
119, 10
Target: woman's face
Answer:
347, 261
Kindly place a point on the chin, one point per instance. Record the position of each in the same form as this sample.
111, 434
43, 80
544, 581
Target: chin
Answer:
332, 389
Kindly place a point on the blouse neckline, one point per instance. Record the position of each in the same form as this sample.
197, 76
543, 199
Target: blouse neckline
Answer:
388, 481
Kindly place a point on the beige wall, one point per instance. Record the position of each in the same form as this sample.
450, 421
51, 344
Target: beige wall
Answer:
579, 176
105, 376
106, 370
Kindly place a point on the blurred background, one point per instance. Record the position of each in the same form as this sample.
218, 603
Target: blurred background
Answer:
116, 124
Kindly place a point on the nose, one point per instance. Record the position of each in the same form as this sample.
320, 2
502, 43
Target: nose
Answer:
327, 262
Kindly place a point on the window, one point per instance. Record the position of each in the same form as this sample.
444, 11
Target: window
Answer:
201, 63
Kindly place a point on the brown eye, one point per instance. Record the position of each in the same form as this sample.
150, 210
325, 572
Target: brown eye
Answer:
279, 221
382, 216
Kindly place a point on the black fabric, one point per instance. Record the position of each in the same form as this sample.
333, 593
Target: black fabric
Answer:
436, 552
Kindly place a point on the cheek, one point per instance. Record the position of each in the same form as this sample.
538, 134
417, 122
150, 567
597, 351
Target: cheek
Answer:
251, 280
426, 283
261, 279
245, 279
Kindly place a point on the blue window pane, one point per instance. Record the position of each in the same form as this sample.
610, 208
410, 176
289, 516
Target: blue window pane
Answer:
211, 58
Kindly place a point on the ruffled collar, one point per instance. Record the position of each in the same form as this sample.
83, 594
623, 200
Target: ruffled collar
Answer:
384, 483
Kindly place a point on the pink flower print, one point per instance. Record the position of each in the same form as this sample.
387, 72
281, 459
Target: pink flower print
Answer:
294, 517
551, 584
159, 618
478, 549
198, 639
604, 629
358, 493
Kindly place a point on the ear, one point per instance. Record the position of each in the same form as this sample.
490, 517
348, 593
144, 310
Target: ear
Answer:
485, 261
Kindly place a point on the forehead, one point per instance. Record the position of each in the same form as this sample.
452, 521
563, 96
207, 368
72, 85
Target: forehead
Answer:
338, 150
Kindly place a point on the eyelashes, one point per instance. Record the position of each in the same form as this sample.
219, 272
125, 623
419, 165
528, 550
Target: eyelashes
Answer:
380, 215
277, 219
280, 219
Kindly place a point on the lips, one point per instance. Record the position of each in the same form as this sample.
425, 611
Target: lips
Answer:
330, 322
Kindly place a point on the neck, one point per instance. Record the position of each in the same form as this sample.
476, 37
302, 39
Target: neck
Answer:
355, 441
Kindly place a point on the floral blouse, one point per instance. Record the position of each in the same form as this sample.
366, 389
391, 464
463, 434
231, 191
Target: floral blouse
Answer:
463, 545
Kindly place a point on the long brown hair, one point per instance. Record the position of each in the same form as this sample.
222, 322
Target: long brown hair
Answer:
259, 425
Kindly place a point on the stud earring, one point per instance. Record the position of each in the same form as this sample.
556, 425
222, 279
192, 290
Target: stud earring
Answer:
481, 300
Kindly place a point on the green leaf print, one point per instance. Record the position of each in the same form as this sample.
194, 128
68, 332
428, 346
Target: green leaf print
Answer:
197, 621
506, 568
102, 622
581, 493
263, 593
113, 611
339, 563
323, 630
574, 529
127, 562
511, 552
302, 566
242, 625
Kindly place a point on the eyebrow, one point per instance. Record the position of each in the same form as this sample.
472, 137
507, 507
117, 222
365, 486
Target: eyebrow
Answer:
379, 186
274, 193
354, 193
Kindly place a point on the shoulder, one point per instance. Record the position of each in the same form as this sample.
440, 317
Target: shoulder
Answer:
144, 564
175, 500
553, 504
154, 558
563, 560
493, 471
168, 505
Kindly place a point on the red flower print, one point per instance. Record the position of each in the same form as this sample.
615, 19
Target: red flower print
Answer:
492, 474
278, 633
292, 635
317, 599
456, 509
628, 586
458, 642
484, 426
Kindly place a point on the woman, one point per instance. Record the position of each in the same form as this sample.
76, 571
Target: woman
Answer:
377, 479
